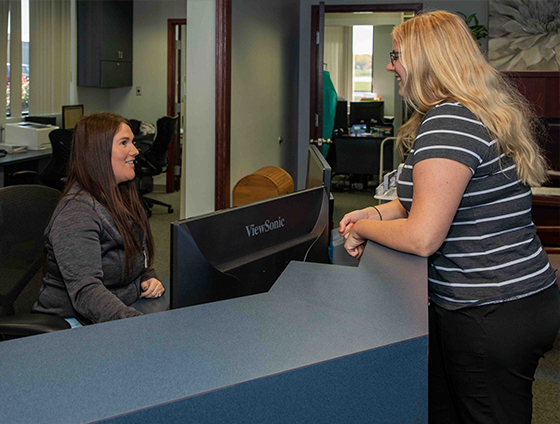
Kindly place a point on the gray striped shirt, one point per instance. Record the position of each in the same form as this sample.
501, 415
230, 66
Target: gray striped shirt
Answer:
492, 253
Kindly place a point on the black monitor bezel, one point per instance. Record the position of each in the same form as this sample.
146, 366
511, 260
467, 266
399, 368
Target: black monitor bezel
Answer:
376, 108
217, 279
314, 154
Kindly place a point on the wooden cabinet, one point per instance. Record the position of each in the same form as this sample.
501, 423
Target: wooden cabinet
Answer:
105, 43
542, 89
546, 217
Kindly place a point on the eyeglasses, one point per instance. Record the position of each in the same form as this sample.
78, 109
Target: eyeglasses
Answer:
394, 56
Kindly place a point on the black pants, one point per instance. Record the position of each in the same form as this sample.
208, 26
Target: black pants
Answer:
482, 360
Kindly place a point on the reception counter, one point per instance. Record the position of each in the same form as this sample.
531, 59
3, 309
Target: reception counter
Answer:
327, 344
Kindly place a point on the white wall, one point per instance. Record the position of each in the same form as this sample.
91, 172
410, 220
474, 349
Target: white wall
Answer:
93, 99
264, 94
468, 7
265, 42
383, 81
149, 66
199, 136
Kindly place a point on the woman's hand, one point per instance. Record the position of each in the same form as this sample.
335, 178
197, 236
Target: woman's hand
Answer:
348, 221
152, 288
354, 244
439, 185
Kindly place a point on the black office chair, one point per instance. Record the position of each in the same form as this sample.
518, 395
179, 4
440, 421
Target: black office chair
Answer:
135, 126
54, 174
24, 214
154, 161
142, 141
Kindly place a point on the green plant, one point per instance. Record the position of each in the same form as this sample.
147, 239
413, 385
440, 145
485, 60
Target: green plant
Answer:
25, 93
478, 31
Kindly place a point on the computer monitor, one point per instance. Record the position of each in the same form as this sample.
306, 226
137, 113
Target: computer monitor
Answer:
318, 169
243, 250
71, 115
364, 112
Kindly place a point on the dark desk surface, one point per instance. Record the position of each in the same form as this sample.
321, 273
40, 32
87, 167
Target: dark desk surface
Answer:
365, 135
41, 157
152, 306
315, 314
13, 158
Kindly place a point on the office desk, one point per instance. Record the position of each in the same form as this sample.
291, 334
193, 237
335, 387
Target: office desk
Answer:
35, 160
327, 344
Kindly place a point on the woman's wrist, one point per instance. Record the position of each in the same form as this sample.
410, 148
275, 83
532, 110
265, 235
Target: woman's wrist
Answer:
379, 213
374, 214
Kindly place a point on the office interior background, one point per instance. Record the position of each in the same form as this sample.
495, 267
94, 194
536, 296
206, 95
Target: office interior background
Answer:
271, 44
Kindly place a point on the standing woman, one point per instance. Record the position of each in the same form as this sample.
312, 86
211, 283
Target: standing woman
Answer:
464, 201
98, 243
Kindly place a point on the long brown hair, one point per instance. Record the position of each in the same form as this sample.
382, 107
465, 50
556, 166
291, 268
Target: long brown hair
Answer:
90, 166
443, 62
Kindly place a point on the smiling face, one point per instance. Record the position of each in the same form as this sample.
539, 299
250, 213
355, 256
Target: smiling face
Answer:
396, 67
123, 154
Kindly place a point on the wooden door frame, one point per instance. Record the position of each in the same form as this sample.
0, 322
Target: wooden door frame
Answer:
346, 8
222, 184
174, 151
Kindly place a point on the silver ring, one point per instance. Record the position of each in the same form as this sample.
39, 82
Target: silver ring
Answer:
158, 294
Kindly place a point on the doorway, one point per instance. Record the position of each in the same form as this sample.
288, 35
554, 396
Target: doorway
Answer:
317, 48
364, 77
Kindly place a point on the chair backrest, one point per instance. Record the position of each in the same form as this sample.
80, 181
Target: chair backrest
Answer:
57, 168
156, 155
135, 126
25, 211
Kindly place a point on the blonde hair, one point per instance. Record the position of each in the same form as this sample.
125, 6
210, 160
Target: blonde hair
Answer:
443, 62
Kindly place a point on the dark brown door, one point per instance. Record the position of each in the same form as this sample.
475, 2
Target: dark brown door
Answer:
317, 52
175, 35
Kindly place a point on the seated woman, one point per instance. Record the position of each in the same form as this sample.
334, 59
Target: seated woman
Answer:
99, 247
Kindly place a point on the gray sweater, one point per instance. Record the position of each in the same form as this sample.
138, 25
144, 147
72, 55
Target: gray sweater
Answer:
85, 265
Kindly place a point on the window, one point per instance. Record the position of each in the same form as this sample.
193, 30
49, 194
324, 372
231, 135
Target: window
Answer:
25, 56
8, 100
362, 49
20, 19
